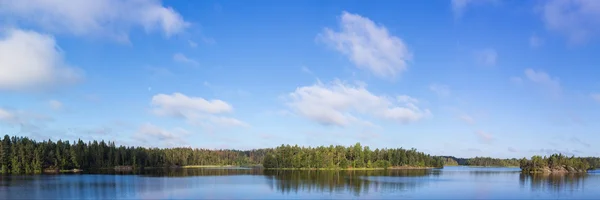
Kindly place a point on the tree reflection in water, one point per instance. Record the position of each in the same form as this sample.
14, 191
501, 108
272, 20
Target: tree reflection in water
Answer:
558, 183
356, 182
184, 172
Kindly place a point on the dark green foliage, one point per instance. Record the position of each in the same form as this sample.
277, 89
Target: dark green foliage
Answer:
593, 161
556, 162
496, 162
481, 161
22, 155
450, 161
356, 156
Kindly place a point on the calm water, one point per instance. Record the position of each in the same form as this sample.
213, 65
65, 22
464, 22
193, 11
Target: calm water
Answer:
447, 183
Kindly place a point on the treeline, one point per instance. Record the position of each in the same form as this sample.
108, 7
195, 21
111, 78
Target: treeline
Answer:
492, 162
481, 161
556, 163
593, 161
23, 155
453, 161
356, 156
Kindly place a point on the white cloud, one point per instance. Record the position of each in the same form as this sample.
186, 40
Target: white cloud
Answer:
180, 104
441, 90
337, 103
512, 149
31, 61
55, 105
179, 57
543, 79
368, 45
195, 110
403, 98
596, 97
226, 121
484, 137
113, 18
578, 20
535, 41
169, 137
486, 57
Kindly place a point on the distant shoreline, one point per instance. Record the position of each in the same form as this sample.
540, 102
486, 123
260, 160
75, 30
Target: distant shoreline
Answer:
354, 169
479, 166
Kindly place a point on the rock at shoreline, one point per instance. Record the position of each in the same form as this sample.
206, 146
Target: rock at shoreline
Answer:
563, 169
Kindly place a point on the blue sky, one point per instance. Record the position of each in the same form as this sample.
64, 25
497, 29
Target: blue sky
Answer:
463, 78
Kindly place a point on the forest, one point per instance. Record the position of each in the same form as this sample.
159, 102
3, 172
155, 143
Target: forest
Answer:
22, 155
558, 163
340, 157
481, 161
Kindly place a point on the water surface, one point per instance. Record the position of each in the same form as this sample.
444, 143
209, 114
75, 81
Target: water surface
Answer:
244, 183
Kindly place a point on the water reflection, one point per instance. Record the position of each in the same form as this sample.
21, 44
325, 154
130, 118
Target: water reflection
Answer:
184, 172
460, 183
357, 182
553, 182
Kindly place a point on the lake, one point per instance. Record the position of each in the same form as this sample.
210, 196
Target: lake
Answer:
242, 183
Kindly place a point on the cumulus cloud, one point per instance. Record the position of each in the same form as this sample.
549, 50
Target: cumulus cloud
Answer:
32, 61
55, 105
484, 137
179, 57
578, 20
368, 45
95, 17
441, 90
113, 18
195, 110
543, 79
338, 103
486, 57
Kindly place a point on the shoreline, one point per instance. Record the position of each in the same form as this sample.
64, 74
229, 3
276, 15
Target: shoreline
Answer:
355, 169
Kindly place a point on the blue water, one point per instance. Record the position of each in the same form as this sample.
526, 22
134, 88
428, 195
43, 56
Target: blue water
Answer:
447, 183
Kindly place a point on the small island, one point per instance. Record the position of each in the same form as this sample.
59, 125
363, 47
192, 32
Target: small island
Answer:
354, 157
556, 163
